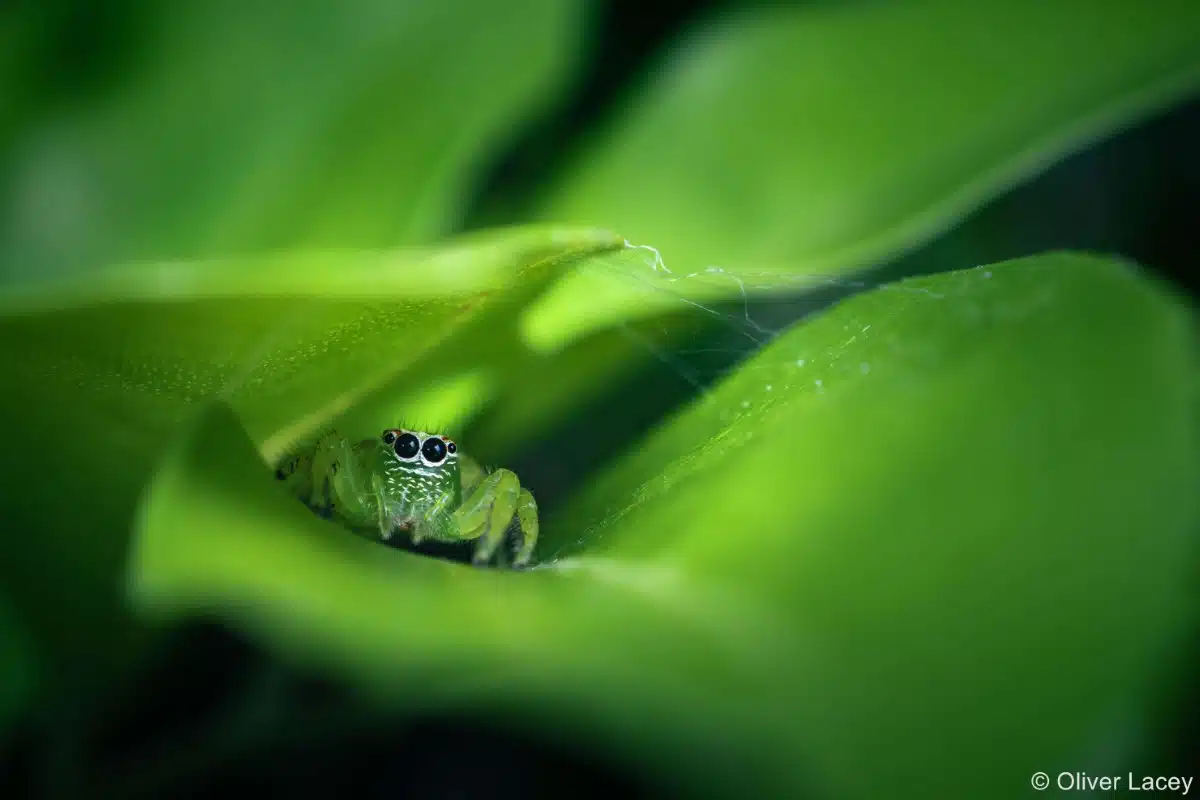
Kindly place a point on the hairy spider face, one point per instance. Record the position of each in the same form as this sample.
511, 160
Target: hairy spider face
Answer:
421, 482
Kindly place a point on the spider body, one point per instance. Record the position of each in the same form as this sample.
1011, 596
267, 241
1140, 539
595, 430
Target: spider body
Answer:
416, 483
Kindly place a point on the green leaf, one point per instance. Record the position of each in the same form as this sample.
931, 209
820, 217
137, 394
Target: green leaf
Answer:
253, 126
105, 370
940, 537
805, 141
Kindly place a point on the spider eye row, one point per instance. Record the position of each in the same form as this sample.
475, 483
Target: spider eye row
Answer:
407, 445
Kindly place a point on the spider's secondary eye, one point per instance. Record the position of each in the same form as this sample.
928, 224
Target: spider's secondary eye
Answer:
434, 450
407, 445
389, 437
452, 447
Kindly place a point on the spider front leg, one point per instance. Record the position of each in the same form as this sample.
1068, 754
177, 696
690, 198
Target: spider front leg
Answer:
336, 479
306, 472
489, 511
386, 525
527, 519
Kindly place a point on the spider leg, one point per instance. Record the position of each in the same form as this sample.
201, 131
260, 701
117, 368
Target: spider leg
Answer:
386, 527
527, 518
324, 465
486, 514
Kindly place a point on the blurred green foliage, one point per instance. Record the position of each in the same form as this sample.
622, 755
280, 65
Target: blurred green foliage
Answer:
888, 554
244, 127
871, 126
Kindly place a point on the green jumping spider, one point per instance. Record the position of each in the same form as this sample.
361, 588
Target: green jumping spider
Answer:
416, 483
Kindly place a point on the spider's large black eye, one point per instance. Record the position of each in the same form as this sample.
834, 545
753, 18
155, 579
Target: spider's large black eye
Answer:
407, 445
434, 450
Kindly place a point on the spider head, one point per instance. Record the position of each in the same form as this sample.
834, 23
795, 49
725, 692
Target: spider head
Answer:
421, 473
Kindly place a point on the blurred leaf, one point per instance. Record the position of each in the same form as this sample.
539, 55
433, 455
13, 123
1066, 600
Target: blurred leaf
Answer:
248, 126
105, 370
936, 538
799, 141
